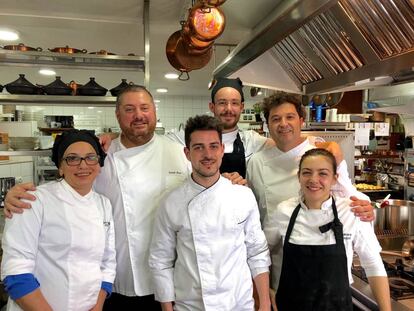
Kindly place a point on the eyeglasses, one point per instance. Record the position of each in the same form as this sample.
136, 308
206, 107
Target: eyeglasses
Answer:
223, 102
73, 160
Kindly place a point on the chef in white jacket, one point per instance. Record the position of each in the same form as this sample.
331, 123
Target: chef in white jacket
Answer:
60, 254
208, 243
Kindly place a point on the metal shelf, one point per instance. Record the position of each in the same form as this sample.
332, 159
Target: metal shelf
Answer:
33, 153
71, 61
47, 168
57, 100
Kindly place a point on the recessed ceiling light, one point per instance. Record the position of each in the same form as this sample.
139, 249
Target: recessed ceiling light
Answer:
47, 72
157, 101
8, 35
91, 107
260, 93
162, 90
99, 111
171, 75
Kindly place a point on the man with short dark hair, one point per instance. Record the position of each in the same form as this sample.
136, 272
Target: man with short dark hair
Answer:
207, 242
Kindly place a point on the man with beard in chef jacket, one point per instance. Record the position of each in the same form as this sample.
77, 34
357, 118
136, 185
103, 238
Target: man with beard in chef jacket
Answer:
139, 169
207, 242
272, 173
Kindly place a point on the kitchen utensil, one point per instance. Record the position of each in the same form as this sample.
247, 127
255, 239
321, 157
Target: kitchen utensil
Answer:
333, 99
115, 91
57, 87
179, 56
206, 24
67, 49
23, 143
102, 52
408, 249
92, 89
397, 214
21, 86
21, 47
211, 3
319, 99
194, 45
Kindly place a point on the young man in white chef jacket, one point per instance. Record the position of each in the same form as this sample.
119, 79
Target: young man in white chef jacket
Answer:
208, 243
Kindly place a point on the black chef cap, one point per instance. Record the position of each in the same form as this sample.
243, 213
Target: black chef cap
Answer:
236, 84
62, 142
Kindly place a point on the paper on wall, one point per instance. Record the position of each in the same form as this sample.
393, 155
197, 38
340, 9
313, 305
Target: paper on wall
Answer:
362, 134
382, 129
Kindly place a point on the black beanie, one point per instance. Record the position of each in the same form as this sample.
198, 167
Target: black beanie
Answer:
62, 142
236, 84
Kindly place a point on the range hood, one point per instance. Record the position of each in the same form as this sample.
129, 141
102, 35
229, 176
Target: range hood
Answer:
319, 46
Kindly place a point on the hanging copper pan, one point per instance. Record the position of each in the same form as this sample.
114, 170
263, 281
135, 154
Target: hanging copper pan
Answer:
67, 49
195, 46
206, 24
21, 47
212, 3
179, 56
102, 52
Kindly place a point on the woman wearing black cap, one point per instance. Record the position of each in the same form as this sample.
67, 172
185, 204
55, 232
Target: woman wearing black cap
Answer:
60, 254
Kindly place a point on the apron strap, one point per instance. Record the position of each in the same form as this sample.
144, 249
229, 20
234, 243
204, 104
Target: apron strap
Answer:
335, 225
292, 223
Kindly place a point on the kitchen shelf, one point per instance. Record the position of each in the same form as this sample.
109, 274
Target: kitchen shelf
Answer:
105, 101
378, 156
54, 130
33, 153
71, 61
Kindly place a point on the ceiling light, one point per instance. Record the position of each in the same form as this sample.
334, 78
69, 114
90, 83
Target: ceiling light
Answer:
8, 35
91, 107
162, 90
171, 75
260, 93
47, 72
157, 101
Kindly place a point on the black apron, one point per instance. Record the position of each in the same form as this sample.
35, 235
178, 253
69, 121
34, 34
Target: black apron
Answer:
314, 277
235, 161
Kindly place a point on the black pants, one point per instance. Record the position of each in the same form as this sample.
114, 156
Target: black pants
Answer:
119, 302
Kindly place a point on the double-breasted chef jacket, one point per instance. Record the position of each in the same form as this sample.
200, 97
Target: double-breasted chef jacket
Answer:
207, 246
135, 179
66, 241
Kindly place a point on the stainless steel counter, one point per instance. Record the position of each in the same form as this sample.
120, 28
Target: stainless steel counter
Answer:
363, 289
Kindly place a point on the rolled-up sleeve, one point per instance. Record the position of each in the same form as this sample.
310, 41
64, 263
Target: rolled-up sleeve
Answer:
258, 257
344, 187
162, 257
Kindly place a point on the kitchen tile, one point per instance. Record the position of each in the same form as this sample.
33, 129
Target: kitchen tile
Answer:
5, 170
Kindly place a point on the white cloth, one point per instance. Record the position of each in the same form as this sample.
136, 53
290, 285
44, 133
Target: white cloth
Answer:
65, 241
252, 141
272, 175
134, 180
207, 246
359, 236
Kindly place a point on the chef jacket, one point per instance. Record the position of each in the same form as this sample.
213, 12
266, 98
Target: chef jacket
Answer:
272, 175
66, 241
134, 180
207, 246
359, 236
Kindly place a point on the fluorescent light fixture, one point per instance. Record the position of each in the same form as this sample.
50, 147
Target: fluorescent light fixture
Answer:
91, 107
47, 72
260, 93
8, 35
171, 75
99, 111
157, 101
162, 90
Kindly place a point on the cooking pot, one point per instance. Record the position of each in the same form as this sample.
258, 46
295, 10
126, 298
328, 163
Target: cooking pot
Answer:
102, 52
333, 99
408, 249
57, 87
377, 116
195, 45
179, 56
206, 24
211, 3
68, 50
398, 215
380, 220
115, 91
319, 99
21, 47
21, 86
92, 89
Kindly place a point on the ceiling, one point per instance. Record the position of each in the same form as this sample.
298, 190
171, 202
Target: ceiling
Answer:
117, 26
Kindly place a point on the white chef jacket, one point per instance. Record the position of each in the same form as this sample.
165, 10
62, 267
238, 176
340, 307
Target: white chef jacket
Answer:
66, 241
272, 175
359, 236
252, 141
207, 246
134, 180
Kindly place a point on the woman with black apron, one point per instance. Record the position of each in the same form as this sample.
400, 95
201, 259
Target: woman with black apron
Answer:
312, 238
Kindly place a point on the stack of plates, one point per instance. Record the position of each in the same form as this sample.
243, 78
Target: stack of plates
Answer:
24, 143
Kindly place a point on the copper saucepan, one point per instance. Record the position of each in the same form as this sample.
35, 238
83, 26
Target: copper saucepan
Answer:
68, 50
212, 3
195, 46
206, 24
179, 56
21, 47
102, 52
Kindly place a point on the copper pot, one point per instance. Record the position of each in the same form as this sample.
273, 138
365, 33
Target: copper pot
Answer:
206, 24
212, 3
194, 45
179, 56
102, 52
21, 47
68, 50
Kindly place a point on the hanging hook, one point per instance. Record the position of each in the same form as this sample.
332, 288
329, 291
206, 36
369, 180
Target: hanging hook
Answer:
184, 76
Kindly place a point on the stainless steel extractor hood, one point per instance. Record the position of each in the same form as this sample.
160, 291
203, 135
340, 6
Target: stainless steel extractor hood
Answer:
323, 45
